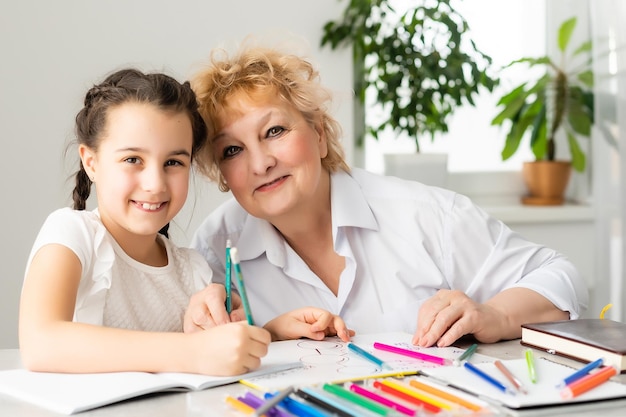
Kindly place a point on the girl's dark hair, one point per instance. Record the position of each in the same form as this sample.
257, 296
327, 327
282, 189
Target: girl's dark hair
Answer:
124, 86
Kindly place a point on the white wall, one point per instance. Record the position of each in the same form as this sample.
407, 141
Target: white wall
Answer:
51, 52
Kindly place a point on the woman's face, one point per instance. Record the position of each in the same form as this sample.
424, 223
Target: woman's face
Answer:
271, 157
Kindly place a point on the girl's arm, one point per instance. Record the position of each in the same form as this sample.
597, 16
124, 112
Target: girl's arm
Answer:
50, 341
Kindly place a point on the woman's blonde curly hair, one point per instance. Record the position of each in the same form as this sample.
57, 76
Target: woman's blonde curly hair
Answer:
256, 73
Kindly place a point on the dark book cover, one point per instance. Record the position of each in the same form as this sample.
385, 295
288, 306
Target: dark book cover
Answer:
603, 334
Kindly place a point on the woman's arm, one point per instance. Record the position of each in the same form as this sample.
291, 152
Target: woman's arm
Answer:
449, 315
497, 281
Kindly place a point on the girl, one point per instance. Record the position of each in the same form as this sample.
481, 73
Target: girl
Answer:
103, 290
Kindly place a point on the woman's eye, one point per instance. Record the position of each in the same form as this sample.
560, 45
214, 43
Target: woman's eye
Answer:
132, 160
230, 151
275, 131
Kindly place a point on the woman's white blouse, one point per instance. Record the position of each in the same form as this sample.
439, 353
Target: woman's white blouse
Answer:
117, 291
402, 242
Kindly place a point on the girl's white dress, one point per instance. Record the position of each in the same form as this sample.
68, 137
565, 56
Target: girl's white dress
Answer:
117, 291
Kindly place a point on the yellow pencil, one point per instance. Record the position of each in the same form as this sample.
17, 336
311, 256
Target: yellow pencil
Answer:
444, 395
239, 405
420, 395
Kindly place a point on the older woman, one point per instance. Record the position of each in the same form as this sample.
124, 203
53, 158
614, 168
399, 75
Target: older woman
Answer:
384, 253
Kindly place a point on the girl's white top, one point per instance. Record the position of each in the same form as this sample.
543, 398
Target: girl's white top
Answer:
116, 290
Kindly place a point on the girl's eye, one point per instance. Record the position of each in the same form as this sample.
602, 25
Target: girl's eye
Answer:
132, 160
230, 151
174, 162
275, 131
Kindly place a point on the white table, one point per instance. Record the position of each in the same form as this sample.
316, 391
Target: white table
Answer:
210, 402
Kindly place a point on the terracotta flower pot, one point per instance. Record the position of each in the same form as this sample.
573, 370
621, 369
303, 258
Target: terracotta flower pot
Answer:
546, 182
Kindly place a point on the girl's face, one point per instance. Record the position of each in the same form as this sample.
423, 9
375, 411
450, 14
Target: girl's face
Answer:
141, 168
271, 157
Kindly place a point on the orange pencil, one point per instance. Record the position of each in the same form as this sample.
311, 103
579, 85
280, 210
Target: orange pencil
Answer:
390, 390
445, 395
588, 382
437, 402
512, 379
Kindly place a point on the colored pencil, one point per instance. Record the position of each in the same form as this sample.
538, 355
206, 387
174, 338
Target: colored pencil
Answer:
227, 279
365, 354
411, 353
509, 375
581, 372
487, 378
588, 382
234, 255
444, 395
382, 400
466, 354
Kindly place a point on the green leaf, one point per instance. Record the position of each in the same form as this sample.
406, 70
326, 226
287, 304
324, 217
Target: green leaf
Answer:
584, 47
565, 33
510, 145
531, 61
510, 110
411, 62
578, 157
578, 118
586, 77
538, 136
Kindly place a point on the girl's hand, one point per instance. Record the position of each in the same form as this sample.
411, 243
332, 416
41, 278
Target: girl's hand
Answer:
207, 309
311, 322
231, 349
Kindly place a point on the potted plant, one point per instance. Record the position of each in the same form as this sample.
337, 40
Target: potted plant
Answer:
560, 102
418, 65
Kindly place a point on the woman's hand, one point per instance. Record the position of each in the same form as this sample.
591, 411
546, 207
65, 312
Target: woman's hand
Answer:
451, 314
311, 322
206, 309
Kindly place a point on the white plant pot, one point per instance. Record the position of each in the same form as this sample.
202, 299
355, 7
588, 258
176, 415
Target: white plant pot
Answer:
430, 169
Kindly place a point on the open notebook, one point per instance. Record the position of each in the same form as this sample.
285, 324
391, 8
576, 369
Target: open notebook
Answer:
330, 360
73, 393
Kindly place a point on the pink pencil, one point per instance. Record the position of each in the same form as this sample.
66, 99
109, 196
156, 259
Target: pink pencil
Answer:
411, 353
381, 400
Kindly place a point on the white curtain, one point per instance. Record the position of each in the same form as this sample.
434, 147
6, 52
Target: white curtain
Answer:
607, 161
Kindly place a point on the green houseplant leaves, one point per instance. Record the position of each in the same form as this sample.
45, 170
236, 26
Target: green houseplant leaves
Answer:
561, 99
415, 62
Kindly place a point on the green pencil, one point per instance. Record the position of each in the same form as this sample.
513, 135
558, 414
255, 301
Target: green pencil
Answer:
357, 399
465, 355
530, 361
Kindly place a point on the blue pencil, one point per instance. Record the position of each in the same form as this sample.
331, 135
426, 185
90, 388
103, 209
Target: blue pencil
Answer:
273, 401
227, 282
298, 408
581, 372
365, 354
234, 256
488, 378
